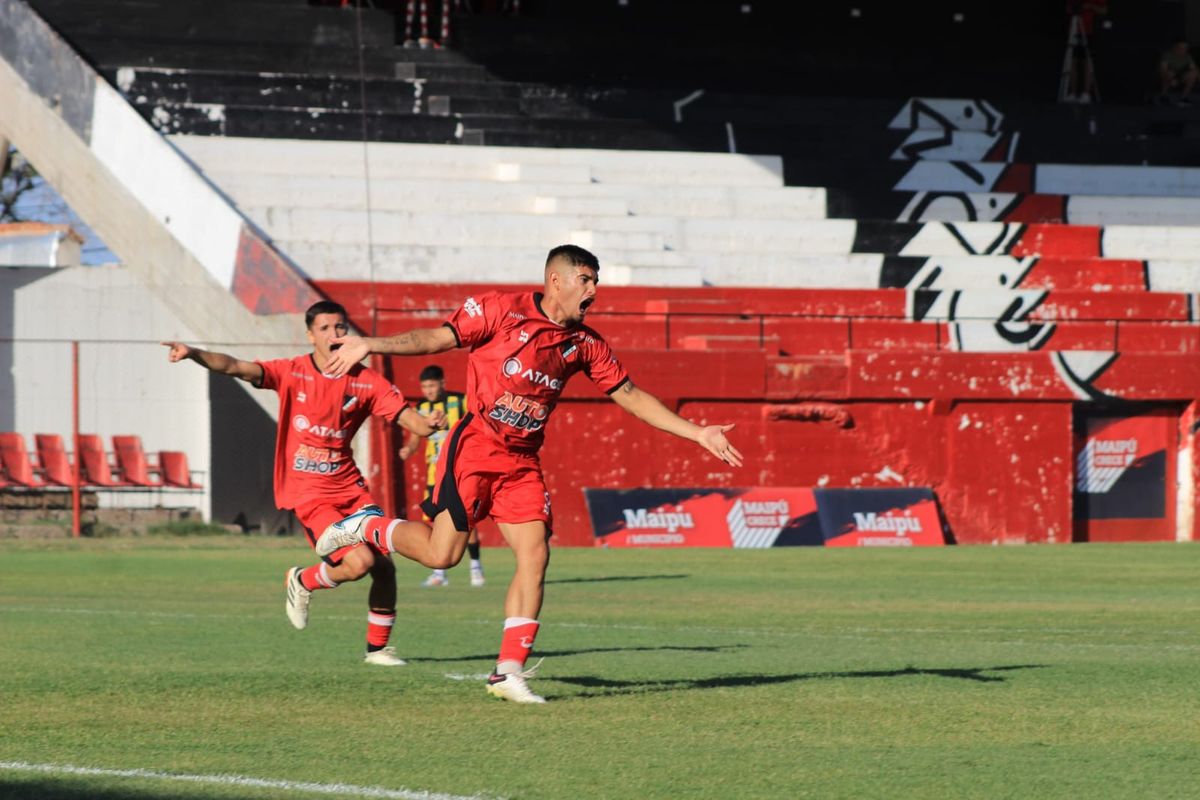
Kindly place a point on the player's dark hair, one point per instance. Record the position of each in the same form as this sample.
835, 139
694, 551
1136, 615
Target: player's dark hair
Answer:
574, 255
432, 373
323, 307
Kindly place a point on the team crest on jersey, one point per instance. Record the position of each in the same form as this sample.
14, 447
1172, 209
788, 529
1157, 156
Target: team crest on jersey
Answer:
569, 349
524, 336
349, 401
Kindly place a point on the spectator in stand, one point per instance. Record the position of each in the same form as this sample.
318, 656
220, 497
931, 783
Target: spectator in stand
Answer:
420, 9
1177, 70
1084, 43
452, 406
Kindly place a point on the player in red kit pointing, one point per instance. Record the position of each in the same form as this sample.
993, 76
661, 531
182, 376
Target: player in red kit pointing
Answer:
315, 474
524, 346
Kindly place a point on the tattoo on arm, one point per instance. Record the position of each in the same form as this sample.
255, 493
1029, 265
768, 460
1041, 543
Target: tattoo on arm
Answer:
628, 387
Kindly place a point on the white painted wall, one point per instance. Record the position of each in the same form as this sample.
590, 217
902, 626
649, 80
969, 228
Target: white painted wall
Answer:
126, 384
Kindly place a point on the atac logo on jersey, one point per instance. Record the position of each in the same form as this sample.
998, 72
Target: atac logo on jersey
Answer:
472, 307
301, 423
513, 367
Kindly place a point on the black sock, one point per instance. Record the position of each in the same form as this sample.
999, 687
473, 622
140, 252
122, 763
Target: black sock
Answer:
371, 648
473, 549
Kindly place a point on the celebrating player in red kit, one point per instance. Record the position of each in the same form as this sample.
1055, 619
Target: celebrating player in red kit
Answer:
524, 346
315, 473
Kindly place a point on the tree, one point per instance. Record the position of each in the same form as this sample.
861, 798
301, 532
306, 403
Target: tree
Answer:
17, 176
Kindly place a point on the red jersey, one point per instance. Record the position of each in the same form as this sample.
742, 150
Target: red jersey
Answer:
318, 417
520, 362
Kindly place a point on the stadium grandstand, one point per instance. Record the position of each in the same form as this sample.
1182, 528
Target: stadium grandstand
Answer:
913, 265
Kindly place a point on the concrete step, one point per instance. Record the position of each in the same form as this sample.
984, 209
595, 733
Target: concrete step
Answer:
591, 199
472, 264
227, 21
205, 120
507, 230
1013, 207
391, 160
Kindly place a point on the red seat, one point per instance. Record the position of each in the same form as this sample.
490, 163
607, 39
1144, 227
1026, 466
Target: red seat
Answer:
18, 469
131, 462
52, 457
94, 469
175, 472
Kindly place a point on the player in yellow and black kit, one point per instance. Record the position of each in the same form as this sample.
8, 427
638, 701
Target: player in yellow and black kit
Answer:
453, 405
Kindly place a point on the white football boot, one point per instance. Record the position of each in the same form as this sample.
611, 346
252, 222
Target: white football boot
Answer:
477, 576
512, 687
384, 658
297, 599
436, 578
346, 532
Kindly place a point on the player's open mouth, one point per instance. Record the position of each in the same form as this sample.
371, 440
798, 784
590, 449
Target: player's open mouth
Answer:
333, 347
583, 307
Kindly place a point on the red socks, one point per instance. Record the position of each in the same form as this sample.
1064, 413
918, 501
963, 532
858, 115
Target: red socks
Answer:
379, 629
317, 577
516, 644
378, 532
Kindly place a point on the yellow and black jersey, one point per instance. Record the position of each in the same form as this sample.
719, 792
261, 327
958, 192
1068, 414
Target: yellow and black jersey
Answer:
453, 404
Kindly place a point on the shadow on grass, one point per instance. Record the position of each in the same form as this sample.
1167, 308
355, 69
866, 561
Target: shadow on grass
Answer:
607, 687
667, 648
620, 578
51, 789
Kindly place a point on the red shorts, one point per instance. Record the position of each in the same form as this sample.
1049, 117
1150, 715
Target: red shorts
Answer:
478, 477
319, 513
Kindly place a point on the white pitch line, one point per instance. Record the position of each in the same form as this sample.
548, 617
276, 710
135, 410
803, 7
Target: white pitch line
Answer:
344, 789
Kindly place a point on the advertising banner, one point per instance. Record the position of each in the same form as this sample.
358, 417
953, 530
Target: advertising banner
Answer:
1121, 468
879, 518
763, 517
703, 517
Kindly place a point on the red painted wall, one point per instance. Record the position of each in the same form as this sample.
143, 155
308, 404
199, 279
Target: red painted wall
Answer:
885, 404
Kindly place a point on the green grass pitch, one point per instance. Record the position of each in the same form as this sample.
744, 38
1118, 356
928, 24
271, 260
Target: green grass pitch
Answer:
1022, 672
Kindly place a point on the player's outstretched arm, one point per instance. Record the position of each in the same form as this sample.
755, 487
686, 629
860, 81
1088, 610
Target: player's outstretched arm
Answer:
216, 362
649, 409
422, 341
